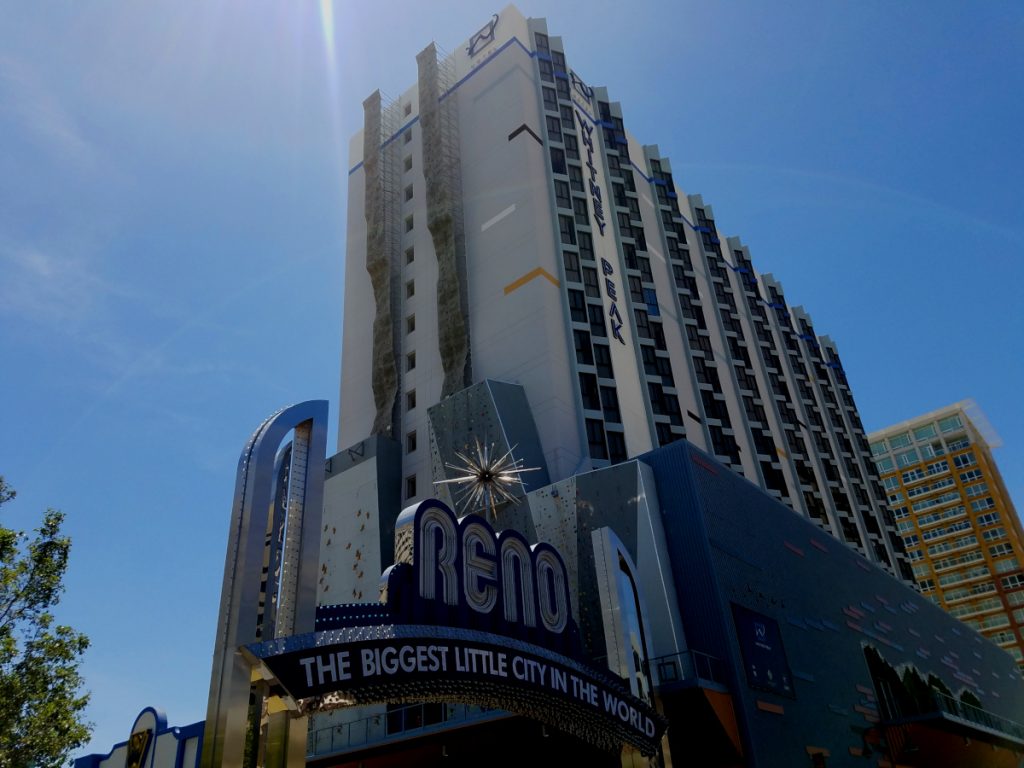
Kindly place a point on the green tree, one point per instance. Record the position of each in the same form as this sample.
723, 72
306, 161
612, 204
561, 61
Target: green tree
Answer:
41, 697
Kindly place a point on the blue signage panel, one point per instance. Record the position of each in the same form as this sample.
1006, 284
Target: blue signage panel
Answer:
763, 654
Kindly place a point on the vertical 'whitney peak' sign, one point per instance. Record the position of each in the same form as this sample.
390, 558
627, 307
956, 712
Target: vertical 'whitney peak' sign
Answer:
469, 615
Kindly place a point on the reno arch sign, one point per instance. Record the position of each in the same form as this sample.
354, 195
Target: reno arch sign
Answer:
467, 615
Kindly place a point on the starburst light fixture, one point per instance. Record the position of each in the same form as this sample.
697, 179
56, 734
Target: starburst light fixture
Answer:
486, 480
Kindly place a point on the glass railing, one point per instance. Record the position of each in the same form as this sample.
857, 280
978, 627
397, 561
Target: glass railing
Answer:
687, 666
951, 706
395, 723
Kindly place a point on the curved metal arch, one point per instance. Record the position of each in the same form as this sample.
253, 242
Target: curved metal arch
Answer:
241, 618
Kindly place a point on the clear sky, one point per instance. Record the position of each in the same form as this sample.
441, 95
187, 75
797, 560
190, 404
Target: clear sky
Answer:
172, 213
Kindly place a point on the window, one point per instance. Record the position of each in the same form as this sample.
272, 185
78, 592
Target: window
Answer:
572, 147
410, 487
410, 254
950, 423
410, 361
562, 194
575, 178
964, 460
590, 283
408, 193
610, 405
877, 449
546, 71
410, 323
912, 476
1009, 564
550, 99
554, 129
616, 446
410, 289
572, 266
584, 352
925, 432
577, 306
597, 325
976, 490
579, 207
410, 399
603, 361
589, 392
408, 223
410, 442
408, 164
407, 137
567, 230
1001, 549
899, 441
892, 482
595, 439
568, 121
906, 458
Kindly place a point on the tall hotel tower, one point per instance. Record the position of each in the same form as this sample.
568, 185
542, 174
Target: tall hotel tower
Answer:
503, 225
961, 532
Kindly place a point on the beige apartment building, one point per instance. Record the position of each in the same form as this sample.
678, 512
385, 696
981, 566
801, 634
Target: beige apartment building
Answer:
951, 507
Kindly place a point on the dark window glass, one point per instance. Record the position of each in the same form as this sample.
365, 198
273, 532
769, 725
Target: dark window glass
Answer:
577, 306
595, 438
616, 446
575, 177
554, 129
590, 283
603, 361
579, 206
584, 352
610, 405
558, 161
589, 392
562, 198
597, 324
567, 230
572, 266
586, 244
572, 148
550, 99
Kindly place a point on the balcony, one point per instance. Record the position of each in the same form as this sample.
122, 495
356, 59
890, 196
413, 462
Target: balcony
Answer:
688, 669
393, 725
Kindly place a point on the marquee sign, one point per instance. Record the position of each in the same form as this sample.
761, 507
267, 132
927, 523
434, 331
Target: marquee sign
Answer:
476, 617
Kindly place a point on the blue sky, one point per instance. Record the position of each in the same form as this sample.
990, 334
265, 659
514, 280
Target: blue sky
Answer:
172, 213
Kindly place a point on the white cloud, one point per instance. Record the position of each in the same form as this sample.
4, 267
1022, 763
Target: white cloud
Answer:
34, 108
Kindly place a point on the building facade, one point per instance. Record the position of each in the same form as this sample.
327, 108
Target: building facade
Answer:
961, 532
503, 224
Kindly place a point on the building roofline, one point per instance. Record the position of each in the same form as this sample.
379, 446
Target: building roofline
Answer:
968, 407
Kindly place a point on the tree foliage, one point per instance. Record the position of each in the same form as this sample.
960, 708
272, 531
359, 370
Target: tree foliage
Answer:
41, 697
